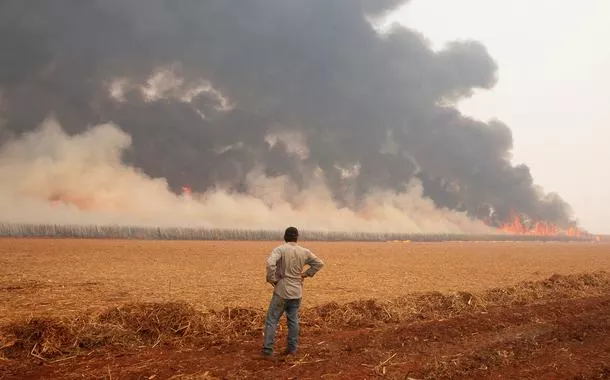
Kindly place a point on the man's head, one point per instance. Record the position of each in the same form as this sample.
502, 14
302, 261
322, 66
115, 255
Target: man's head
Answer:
291, 235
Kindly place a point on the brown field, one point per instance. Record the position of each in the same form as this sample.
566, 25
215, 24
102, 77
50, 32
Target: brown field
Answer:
48, 286
63, 273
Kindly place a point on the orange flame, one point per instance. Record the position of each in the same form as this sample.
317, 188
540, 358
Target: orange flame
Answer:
187, 191
517, 227
82, 203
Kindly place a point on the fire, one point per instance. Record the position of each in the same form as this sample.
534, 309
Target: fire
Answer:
88, 203
187, 191
82, 203
517, 227
85, 202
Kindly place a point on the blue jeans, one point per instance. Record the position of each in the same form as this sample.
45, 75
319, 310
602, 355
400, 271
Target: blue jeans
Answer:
277, 307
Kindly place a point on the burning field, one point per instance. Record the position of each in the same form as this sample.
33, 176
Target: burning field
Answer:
205, 118
194, 310
191, 132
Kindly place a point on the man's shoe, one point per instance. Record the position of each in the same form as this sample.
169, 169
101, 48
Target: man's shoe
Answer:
263, 356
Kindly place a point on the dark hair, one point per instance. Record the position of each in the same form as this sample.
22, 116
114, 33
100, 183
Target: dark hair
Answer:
291, 235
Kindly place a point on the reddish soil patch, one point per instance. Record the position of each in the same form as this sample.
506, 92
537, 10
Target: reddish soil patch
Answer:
556, 339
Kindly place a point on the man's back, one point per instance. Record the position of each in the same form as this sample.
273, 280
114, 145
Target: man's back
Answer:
285, 269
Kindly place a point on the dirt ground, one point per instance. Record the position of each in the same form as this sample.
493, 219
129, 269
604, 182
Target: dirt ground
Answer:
555, 340
544, 328
53, 277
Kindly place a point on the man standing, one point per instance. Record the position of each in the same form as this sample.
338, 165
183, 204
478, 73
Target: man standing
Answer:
285, 273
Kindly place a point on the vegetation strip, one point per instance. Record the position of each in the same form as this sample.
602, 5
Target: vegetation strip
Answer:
177, 324
192, 233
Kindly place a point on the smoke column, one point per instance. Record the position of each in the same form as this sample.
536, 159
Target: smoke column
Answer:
273, 112
89, 183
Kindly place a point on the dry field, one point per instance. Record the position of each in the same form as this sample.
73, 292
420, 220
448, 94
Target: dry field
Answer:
497, 298
55, 276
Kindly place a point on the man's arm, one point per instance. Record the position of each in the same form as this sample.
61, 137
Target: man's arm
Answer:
272, 266
315, 264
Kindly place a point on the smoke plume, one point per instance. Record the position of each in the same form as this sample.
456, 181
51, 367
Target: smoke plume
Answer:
86, 181
264, 108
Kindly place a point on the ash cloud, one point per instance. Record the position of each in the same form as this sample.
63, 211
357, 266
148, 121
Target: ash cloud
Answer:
303, 91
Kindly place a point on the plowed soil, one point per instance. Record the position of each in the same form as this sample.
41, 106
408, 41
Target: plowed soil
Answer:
540, 330
555, 340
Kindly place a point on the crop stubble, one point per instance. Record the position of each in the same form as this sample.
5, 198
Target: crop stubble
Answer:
58, 277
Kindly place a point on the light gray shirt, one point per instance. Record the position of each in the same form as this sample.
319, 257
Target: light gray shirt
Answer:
285, 266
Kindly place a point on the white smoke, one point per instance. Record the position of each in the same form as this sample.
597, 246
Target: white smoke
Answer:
165, 82
48, 176
294, 142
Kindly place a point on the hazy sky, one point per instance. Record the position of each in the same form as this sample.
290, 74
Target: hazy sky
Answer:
553, 89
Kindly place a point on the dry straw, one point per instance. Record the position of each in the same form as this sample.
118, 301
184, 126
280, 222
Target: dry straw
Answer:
177, 324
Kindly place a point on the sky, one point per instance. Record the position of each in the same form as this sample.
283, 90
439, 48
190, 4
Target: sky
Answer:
554, 78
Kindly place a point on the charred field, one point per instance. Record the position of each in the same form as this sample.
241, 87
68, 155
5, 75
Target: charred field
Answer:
194, 310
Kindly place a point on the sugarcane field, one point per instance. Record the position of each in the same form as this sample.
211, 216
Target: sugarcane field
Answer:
304, 189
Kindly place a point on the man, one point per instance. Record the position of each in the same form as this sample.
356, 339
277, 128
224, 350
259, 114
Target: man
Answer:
285, 272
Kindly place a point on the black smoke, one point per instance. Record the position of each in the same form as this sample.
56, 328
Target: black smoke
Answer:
384, 103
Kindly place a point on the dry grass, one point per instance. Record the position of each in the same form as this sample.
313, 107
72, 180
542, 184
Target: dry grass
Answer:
178, 324
63, 278
129, 326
